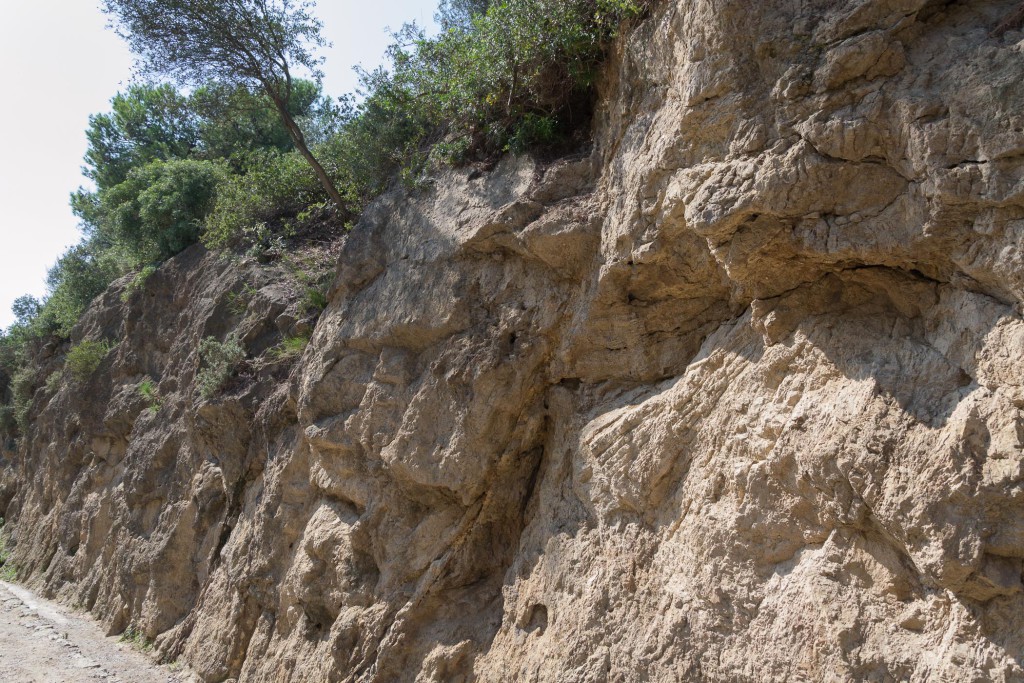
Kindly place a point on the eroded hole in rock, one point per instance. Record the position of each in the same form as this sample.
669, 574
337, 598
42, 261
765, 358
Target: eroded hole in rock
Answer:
538, 621
318, 621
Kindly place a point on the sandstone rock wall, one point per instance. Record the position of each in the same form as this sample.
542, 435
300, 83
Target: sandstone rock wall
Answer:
736, 397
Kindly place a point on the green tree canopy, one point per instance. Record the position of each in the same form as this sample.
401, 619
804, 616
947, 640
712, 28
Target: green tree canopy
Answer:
146, 123
78, 277
460, 13
235, 120
252, 43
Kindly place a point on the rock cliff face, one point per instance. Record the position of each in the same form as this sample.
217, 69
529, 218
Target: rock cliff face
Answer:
739, 396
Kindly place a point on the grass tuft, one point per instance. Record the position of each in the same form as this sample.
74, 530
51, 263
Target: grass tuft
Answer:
137, 639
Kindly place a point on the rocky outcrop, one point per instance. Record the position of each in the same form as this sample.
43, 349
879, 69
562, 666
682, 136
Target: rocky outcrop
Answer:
737, 396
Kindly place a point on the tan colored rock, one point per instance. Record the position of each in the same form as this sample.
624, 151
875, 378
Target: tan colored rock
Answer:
737, 397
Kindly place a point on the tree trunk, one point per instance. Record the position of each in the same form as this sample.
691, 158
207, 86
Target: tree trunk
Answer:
300, 144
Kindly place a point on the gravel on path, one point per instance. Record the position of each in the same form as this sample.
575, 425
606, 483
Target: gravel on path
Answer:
43, 642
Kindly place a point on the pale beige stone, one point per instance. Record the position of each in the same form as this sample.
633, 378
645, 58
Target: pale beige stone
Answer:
737, 397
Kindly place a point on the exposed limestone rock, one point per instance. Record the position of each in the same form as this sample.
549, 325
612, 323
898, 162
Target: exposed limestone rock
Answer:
739, 396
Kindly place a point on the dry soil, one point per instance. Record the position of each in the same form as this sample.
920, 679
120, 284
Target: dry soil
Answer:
42, 642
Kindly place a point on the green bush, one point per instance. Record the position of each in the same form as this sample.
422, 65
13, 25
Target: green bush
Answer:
159, 209
148, 391
53, 382
274, 186
534, 131
313, 301
219, 362
503, 73
79, 276
137, 282
238, 302
83, 359
22, 392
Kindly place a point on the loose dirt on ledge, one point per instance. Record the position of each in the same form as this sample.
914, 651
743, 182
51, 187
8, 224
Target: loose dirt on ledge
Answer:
42, 642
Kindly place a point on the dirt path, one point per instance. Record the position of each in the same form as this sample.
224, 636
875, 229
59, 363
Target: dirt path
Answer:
42, 642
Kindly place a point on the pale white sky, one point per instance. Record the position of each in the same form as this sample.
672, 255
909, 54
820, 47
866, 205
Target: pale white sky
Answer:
60, 65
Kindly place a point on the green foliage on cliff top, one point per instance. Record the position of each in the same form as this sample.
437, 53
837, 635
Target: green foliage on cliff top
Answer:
159, 209
218, 164
503, 76
502, 66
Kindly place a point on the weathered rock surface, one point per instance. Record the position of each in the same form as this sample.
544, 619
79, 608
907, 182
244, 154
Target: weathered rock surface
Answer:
737, 397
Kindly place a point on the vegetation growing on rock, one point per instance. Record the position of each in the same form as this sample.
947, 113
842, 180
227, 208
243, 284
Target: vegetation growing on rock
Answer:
229, 163
220, 361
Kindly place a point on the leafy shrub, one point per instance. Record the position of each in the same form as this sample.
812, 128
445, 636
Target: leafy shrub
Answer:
264, 242
274, 186
147, 388
313, 301
238, 302
384, 136
137, 282
53, 382
83, 359
534, 131
502, 72
22, 391
313, 271
220, 361
79, 276
159, 209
